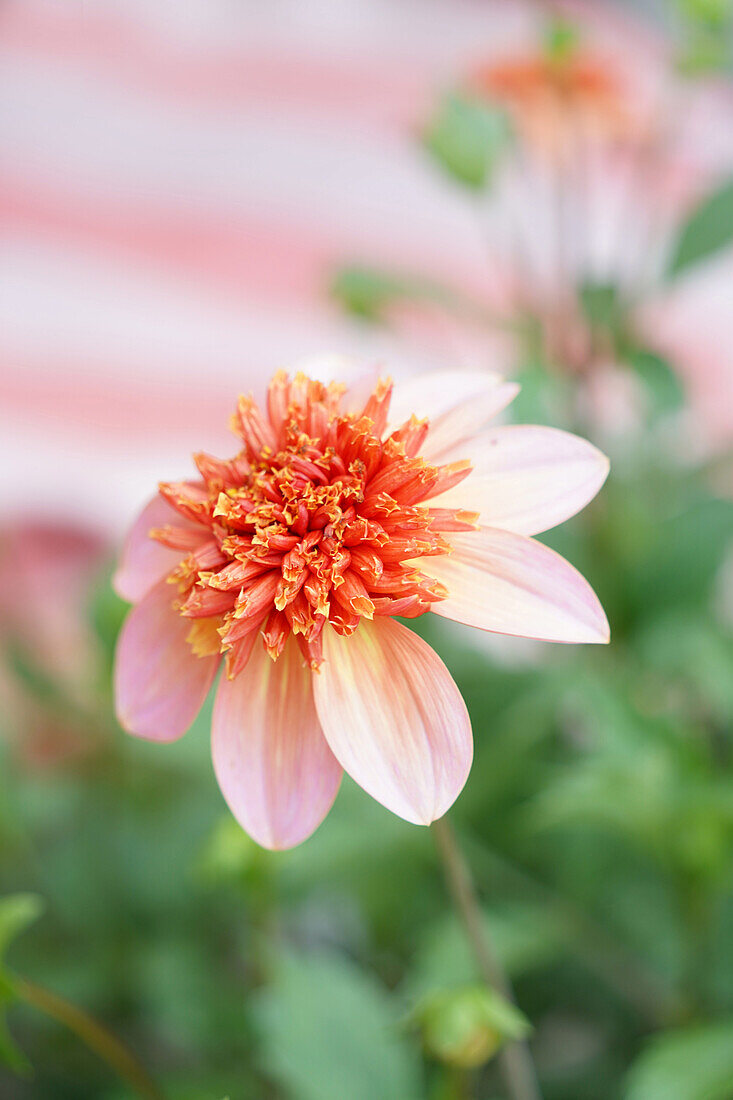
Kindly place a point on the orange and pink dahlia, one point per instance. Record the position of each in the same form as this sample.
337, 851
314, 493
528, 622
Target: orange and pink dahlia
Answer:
292, 560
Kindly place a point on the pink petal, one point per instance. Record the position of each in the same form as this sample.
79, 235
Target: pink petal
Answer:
527, 479
509, 584
159, 684
271, 759
394, 718
144, 561
457, 403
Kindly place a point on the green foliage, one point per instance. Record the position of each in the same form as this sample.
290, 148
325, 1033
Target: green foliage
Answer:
694, 1063
601, 303
543, 397
708, 51
466, 137
344, 1041
525, 937
708, 230
661, 381
609, 317
706, 39
107, 612
17, 912
561, 39
369, 293
711, 13
690, 549
10, 1054
230, 855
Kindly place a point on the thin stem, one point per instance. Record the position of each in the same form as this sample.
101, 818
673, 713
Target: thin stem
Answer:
515, 1060
97, 1038
591, 943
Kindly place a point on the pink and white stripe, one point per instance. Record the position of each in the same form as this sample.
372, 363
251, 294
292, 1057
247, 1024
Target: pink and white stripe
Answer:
177, 182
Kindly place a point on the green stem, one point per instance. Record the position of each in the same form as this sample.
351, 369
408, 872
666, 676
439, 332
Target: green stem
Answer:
515, 1059
97, 1038
591, 943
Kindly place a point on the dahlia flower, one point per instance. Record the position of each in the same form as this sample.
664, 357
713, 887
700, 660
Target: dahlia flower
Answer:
613, 147
47, 576
292, 560
611, 151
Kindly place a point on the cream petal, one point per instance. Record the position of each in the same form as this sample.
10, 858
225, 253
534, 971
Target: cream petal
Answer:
159, 684
510, 584
462, 423
394, 718
143, 561
457, 403
271, 759
527, 479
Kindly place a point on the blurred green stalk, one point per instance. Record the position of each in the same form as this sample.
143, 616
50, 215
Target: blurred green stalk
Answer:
97, 1038
515, 1059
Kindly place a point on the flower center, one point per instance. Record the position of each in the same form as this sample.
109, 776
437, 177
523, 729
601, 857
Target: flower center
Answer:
317, 520
550, 99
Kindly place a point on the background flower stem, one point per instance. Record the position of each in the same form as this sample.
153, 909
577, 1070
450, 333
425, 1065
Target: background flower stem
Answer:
96, 1037
515, 1059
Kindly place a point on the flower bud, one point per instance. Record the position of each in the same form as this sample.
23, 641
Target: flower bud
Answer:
465, 1027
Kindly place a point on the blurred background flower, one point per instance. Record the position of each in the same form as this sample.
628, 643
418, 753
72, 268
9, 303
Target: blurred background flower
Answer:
51, 656
193, 195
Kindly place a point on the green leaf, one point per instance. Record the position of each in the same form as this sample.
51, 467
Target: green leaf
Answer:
561, 40
662, 383
689, 553
694, 1063
466, 138
697, 653
16, 912
710, 13
705, 45
544, 397
601, 304
708, 229
329, 1031
10, 1055
229, 854
107, 612
707, 51
368, 292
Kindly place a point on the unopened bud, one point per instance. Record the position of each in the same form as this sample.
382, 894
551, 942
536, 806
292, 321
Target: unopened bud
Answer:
465, 1027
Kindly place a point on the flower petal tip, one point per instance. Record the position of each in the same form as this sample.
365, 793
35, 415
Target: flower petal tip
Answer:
604, 636
120, 585
604, 467
130, 727
598, 626
596, 631
274, 841
395, 719
271, 760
